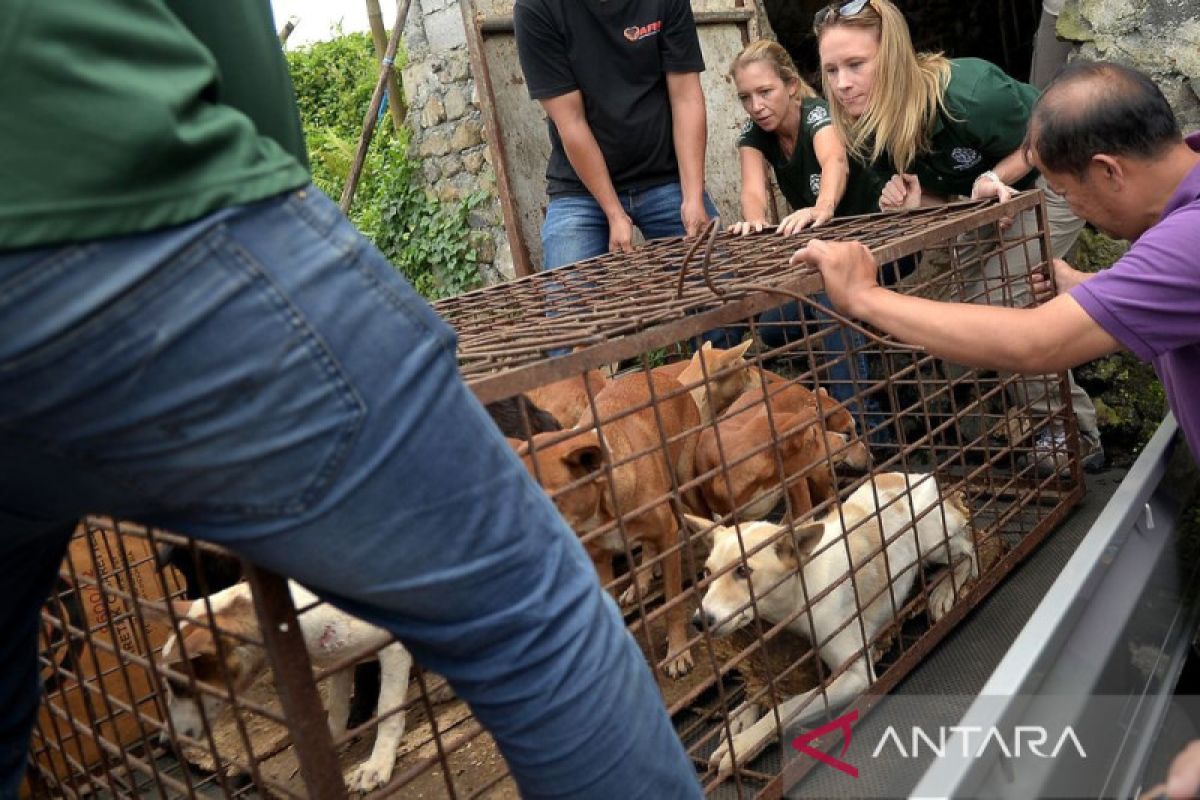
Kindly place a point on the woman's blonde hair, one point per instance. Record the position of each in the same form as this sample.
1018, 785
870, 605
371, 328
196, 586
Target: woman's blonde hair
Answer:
772, 53
909, 88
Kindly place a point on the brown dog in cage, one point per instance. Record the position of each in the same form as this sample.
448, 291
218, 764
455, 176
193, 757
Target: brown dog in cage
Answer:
741, 452
566, 400
714, 377
571, 467
331, 637
852, 536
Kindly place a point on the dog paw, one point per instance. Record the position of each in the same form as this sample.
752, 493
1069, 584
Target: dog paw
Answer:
745, 745
720, 760
941, 600
367, 777
679, 666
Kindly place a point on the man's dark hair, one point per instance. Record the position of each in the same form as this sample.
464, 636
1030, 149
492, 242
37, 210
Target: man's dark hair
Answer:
1099, 107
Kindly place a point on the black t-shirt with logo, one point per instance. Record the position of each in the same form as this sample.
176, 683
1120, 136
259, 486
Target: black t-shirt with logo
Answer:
617, 54
799, 177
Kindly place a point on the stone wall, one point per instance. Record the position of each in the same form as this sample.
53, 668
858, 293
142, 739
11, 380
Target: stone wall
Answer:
1159, 37
448, 135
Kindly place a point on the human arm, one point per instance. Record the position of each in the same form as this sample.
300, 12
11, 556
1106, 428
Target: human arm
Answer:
566, 111
1048, 338
754, 191
835, 172
689, 129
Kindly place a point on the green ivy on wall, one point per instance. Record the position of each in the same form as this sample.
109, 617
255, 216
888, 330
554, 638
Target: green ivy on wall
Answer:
428, 241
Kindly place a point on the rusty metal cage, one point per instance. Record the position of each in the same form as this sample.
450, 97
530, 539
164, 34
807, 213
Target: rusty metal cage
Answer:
785, 505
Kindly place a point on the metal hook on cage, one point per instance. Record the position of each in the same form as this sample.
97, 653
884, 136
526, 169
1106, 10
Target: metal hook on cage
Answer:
708, 235
829, 312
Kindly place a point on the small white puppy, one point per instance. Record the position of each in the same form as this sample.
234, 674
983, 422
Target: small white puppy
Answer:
331, 636
884, 509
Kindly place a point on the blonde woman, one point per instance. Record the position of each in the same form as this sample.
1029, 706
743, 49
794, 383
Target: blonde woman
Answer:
944, 128
790, 131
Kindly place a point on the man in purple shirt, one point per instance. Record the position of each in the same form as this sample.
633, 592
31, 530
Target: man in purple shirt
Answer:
1106, 139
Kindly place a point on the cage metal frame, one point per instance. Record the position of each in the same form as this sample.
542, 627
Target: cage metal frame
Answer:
504, 333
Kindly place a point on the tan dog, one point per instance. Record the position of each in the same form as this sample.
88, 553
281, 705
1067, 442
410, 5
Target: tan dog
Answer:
714, 377
330, 635
882, 532
760, 431
573, 468
566, 400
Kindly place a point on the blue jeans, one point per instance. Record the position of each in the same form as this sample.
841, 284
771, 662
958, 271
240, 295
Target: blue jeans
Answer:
264, 379
575, 227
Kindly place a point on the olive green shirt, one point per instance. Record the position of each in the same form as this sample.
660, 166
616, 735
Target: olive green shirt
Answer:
120, 118
799, 177
986, 113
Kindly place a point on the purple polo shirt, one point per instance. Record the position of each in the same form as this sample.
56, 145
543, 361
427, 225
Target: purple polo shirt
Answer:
1149, 301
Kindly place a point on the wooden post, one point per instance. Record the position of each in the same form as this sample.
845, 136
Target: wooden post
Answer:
287, 29
364, 140
396, 104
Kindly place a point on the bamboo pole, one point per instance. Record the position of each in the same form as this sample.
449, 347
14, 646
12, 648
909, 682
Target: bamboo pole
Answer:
364, 140
379, 35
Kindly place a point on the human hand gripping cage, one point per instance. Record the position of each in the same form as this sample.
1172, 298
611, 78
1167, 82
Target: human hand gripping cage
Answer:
789, 509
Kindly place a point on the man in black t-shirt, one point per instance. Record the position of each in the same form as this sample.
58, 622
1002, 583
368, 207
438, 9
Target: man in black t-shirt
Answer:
620, 83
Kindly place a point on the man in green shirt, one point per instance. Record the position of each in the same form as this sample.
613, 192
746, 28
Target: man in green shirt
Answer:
193, 337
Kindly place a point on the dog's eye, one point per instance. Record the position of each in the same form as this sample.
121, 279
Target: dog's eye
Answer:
742, 573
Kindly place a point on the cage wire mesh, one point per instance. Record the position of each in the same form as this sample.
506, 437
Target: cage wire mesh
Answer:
790, 508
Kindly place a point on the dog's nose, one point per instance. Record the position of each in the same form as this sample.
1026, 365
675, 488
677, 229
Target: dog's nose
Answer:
701, 617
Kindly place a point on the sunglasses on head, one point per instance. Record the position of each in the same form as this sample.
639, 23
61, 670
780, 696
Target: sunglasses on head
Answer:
839, 10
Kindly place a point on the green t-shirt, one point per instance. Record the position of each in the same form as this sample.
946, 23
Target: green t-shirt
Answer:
122, 118
799, 177
988, 114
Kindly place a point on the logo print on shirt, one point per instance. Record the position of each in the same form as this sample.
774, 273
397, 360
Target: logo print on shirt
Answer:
965, 157
636, 32
814, 183
818, 114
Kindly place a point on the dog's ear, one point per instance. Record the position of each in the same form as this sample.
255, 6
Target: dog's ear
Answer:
706, 528
792, 552
584, 458
738, 351
698, 524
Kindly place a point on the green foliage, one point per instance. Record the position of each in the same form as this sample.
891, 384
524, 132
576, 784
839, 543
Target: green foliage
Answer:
1130, 402
1094, 251
429, 242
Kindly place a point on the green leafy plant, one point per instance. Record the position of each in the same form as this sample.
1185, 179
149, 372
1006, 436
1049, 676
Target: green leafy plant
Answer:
428, 241
1130, 402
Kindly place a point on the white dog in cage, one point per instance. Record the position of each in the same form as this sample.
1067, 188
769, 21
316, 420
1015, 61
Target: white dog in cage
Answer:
331, 636
884, 508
